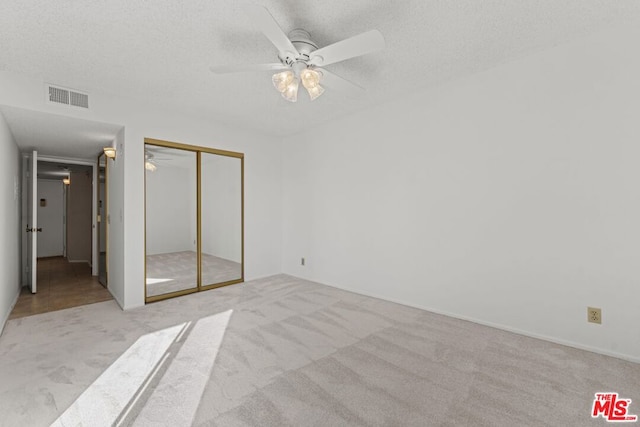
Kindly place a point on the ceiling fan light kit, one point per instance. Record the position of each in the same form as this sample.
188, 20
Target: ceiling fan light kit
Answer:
287, 83
300, 57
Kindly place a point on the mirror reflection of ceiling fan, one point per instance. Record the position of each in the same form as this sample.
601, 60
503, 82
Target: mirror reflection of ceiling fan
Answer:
150, 160
301, 60
156, 155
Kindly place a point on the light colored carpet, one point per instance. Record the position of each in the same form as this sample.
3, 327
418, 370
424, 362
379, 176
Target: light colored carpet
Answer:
296, 353
177, 271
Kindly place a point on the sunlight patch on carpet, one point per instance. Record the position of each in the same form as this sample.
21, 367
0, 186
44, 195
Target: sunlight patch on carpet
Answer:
120, 394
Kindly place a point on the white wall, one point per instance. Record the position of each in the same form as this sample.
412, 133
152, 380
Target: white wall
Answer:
263, 196
10, 229
50, 217
221, 207
171, 209
511, 198
115, 224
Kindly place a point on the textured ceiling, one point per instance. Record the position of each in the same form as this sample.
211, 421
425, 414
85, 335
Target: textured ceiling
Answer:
160, 51
58, 136
58, 171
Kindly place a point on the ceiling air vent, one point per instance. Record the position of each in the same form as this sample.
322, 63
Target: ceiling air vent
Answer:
60, 95
79, 99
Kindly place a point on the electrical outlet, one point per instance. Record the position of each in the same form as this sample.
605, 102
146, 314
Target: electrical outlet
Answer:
302, 261
594, 315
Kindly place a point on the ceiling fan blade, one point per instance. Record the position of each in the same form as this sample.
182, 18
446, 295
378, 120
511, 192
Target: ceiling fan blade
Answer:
225, 69
263, 20
348, 48
333, 81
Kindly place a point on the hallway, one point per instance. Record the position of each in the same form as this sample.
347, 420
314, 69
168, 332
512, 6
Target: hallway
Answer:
61, 285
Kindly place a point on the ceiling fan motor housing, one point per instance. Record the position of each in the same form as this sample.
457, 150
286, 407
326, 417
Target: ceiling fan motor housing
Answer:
301, 40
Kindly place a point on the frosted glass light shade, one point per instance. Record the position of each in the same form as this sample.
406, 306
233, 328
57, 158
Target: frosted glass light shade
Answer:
282, 80
315, 91
310, 78
291, 91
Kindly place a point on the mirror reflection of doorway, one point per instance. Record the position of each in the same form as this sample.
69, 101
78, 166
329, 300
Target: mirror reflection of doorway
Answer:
102, 220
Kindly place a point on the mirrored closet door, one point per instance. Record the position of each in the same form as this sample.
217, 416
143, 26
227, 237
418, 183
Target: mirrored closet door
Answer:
194, 219
221, 218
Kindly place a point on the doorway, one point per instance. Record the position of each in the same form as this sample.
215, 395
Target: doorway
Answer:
62, 235
65, 210
61, 285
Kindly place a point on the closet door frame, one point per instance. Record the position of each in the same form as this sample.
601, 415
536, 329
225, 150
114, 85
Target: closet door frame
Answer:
198, 150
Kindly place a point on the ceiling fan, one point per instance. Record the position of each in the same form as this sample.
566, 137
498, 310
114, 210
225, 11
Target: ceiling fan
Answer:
301, 60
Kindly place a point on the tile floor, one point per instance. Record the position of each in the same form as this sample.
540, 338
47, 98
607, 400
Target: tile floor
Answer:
61, 284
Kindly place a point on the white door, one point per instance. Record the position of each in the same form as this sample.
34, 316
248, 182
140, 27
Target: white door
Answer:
32, 225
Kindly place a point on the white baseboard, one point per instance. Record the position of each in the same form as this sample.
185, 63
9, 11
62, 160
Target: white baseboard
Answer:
252, 278
115, 298
554, 340
6, 316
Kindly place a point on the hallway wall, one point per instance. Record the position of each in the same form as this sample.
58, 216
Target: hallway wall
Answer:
10, 225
